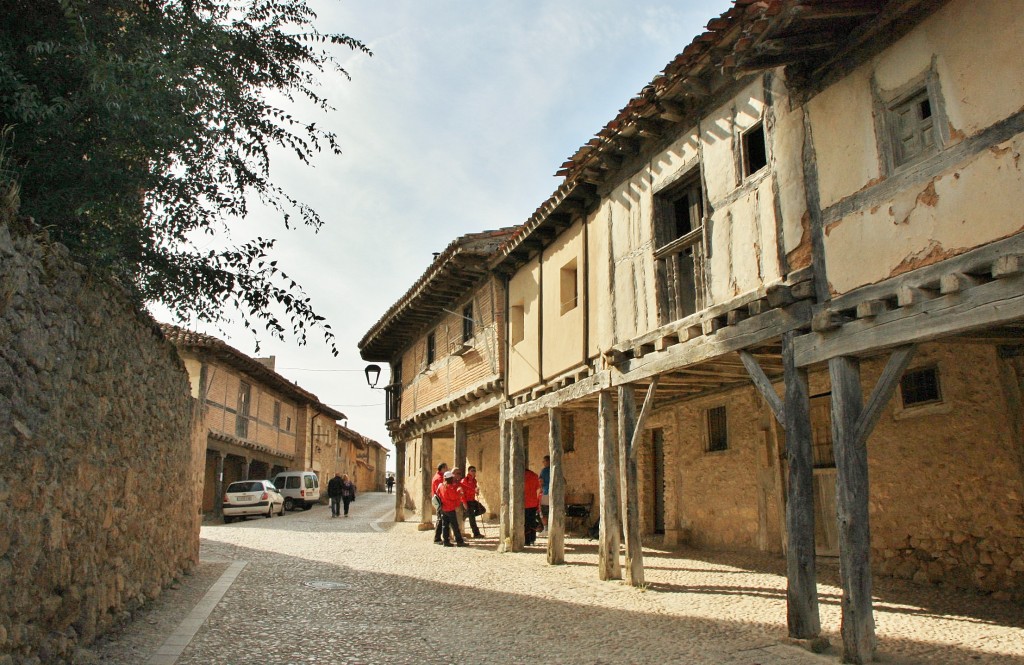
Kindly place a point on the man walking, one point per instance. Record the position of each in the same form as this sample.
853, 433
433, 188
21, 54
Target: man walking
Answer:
335, 488
473, 508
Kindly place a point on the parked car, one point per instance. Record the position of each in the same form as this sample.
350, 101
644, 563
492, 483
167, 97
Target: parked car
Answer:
301, 489
252, 497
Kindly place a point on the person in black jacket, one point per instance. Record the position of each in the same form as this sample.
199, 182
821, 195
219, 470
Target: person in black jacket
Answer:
335, 491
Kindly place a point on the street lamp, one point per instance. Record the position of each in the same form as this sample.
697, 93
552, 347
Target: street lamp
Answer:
372, 375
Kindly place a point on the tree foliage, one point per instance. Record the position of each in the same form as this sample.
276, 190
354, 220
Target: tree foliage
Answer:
140, 124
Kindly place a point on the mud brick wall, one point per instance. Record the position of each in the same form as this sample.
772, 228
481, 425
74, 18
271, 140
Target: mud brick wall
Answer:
95, 454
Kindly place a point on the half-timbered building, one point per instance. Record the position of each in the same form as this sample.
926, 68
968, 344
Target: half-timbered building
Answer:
779, 302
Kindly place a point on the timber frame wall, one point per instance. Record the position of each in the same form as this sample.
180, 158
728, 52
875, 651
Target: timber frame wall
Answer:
846, 248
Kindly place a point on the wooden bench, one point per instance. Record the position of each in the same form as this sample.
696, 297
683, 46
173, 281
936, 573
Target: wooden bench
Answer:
577, 510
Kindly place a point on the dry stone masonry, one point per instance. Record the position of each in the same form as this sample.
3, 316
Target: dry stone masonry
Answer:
95, 454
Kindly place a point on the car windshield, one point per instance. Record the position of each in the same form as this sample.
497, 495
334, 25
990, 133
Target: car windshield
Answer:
246, 486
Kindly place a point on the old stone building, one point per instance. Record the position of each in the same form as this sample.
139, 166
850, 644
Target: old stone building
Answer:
443, 343
362, 458
255, 421
802, 245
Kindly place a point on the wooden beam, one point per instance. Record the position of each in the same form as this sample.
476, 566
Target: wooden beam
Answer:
608, 566
883, 391
630, 499
426, 474
556, 490
460, 446
995, 303
400, 481
802, 616
744, 335
504, 481
645, 411
763, 385
858, 622
516, 492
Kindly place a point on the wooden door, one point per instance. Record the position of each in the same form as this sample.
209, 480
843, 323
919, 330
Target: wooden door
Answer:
826, 531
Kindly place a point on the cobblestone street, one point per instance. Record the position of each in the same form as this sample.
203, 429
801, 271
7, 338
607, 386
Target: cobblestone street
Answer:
400, 599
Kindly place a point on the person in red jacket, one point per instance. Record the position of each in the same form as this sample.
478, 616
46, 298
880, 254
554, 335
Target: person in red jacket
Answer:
531, 502
451, 498
436, 482
473, 507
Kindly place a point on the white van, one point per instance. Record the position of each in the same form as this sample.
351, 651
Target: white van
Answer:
301, 489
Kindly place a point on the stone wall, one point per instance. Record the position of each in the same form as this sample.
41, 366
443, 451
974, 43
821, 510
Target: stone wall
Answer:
96, 454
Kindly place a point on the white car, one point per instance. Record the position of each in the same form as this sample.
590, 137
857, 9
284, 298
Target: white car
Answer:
252, 497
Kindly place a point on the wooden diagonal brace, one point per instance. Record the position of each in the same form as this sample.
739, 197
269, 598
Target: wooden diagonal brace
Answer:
764, 386
645, 411
883, 391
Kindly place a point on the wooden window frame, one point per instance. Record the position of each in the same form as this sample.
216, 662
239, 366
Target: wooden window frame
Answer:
709, 442
745, 139
673, 279
925, 86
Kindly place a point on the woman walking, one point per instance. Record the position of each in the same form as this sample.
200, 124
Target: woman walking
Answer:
348, 492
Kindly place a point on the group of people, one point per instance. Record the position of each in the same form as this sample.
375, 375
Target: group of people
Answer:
455, 499
340, 489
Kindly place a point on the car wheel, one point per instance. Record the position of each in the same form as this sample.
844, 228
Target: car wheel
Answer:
270, 511
228, 520
307, 506
289, 504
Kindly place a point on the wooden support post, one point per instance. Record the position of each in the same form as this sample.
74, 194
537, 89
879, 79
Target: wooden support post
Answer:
505, 481
460, 446
630, 499
218, 496
427, 472
556, 490
608, 567
516, 495
400, 481
858, 624
802, 614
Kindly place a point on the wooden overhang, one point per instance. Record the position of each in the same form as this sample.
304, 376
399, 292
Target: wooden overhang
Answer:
816, 40
207, 344
450, 278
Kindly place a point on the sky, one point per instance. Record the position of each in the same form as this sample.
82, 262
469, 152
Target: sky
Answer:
456, 124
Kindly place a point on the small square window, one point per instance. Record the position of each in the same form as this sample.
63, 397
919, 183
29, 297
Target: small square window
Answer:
912, 128
920, 386
431, 348
755, 150
718, 431
467, 323
516, 323
568, 287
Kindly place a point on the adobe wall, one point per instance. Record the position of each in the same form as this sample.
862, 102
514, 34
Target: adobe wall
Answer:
968, 193
96, 442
